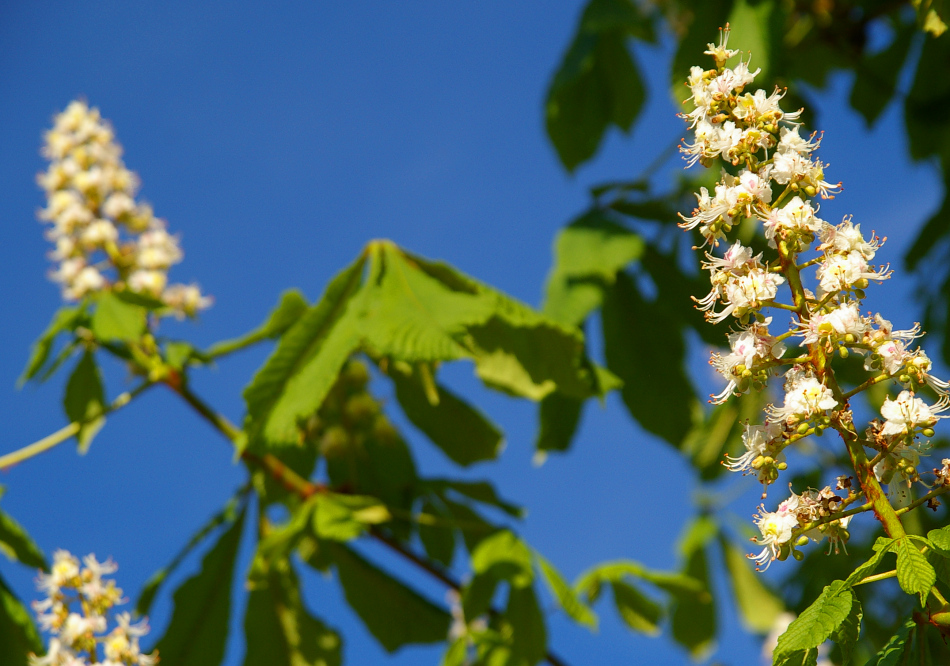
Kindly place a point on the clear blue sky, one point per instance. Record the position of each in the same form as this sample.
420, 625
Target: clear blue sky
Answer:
277, 139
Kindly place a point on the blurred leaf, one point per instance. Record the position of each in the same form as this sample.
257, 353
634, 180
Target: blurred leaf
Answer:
437, 539
914, 572
289, 310
759, 607
18, 635
679, 584
462, 432
638, 611
16, 544
646, 351
279, 542
875, 83
597, 83
701, 20
227, 515
345, 517
815, 625
504, 556
529, 640
566, 598
477, 595
85, 400
198, 631
559, 416
694, 615
392, 612
279, 630
117, 319
299, 373
940, 538
480, 491
65, 319
750, 24
893, 654
474, 527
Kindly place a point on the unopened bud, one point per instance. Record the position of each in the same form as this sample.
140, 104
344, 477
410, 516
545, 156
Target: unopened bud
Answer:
826, 419
802, 541
782, 466
758, 462
746, 374
843, 352
861, 283
849, 338
803, 428
860, 293
904, 379
819, 431
927, 432
797, 554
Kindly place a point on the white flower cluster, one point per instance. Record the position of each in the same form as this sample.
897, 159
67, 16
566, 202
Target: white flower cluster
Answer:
750, 131
798, 511
76, 637
104, 238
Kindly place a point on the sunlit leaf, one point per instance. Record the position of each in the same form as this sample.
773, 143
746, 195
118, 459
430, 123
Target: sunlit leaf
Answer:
84, 401
565, 595
18, 634
117, 319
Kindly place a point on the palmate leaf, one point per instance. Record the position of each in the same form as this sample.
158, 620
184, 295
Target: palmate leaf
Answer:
279, 630
290, 308
18, 635
504, 557
637, 610
198, 631
565, 595
407, 309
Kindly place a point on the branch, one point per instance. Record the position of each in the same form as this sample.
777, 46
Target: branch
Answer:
61, 435
295, 483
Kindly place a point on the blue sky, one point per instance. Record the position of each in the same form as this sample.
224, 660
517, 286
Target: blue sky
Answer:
278, 139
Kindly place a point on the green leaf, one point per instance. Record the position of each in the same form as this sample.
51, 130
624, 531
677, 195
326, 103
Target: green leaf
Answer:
565, 595
750, 33
646, 351
559, 417
480, 491
894, 652
478, 594
16, 544
693, 619
227, 515
296, 378
279, 630
457, 653
914, 572
846, 635
85, 400
65, 319
458, 429
393, 613
594, 246
597, 84
759, 607
529, 639
280, 541
504, 556
198, 631
438, 539
18, 635
638, 611
940, 538
117, 319
816, 624
345, 517
288, 311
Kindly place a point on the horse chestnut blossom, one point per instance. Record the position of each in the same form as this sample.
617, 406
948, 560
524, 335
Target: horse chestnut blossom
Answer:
75, 637
105, 239
770, 175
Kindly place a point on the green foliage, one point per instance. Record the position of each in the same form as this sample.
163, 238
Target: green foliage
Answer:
462, 432
198, 631
117, 319
227, 515
897, 650
394, 613
345, 517
65, 319
638, 611
85, 401
289, 309
504, 556
279, 629
17, 545
693, 617
816, 625
565, 595
759, 607
914, 573
656, 390
597, 84
18, 636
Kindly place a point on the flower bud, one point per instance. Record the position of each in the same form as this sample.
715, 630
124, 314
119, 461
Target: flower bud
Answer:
927, 432
802, 428
781, 466
797, 554
801, 541
819, 431
904, 379
843, 352
860, 293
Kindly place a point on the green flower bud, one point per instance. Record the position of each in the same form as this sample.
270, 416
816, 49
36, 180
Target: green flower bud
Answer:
843, 352
797, 554
862, 284
819, 431
904, 379
860, 293
801, 541
927, 432
802, 428
782, 466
